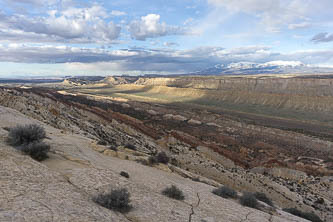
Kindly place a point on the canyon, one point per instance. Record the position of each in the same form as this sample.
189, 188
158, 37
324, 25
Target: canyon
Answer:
258, 133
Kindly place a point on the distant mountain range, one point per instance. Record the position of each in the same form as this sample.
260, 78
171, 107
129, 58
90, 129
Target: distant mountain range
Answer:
273, 67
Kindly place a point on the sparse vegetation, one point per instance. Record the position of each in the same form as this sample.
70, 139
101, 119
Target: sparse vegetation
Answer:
37, 150
162, 158
124, 174
102, 143
6, 128
262, 197
25, 134
143, 162
28, 139
249, 200
152, 160
130, 146
173, 192
320, 201
118, 200
113, 148
225, 192
309, 216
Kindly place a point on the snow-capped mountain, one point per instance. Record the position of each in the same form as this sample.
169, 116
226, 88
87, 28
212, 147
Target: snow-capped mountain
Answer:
262, 68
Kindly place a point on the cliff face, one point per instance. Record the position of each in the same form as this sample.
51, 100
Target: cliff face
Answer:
292, 86
308, 94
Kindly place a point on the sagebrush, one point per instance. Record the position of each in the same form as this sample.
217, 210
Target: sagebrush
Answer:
36, 150
28, 139
173, 192
117, 199
25, 134
225, 192
249, 200
306, 215
262, 197
124, 174
162, 157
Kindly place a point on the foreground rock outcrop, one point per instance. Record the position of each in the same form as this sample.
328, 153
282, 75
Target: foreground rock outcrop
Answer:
62, 187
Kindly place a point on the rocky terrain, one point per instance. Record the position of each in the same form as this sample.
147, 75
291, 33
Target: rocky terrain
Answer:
207, 149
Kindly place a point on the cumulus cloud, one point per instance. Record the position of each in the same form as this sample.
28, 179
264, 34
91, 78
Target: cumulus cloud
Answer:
322, 37
73, 25
149, 26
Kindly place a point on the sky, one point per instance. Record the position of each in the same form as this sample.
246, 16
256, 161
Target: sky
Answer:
113, 37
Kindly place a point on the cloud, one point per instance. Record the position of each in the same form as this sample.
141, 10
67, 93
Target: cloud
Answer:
165, 60
272, 13
73, 25
117, 13
170, 44
33, 2
149, 26
299, 25
322, 37
26, 53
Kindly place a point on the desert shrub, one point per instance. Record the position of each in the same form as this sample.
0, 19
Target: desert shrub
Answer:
130, 146
320, 201
225, 192
152, 160
162, 157
124, 174
173, 192
143, 162
102, 143
249, 200
36, 150
309, 216
6, 128
293, 211
262, 197
113, 148
25, 134
118, 200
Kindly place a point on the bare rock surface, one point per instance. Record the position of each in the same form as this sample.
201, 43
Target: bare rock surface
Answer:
62, 187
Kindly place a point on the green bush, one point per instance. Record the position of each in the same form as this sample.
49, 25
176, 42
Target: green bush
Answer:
249, 200
25, 134
262, 197
36, 150
117, 200
173, 192
225, 192
309, 216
